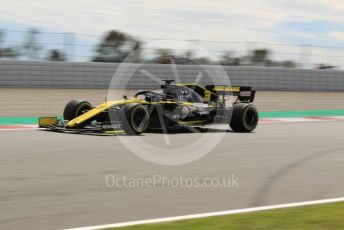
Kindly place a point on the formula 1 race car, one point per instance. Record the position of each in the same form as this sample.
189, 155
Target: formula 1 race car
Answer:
173, 106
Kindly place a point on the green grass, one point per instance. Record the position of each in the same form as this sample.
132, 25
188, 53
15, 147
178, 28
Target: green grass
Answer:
316, 217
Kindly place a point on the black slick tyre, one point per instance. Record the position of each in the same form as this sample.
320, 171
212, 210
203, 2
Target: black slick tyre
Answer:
75, 108
134, 118
244, 118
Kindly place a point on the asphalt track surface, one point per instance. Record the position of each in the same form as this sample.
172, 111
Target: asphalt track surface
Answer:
43, 102
54, 180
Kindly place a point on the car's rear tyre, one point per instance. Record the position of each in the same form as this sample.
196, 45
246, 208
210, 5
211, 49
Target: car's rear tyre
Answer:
75, 108
244, 118
134, 118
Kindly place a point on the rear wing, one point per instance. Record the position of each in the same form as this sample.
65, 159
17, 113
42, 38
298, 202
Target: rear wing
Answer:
244, 93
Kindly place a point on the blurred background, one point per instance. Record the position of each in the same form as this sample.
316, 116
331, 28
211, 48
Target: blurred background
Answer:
294, 34
114, 46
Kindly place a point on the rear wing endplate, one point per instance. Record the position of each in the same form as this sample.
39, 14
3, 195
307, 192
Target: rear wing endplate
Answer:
244, 93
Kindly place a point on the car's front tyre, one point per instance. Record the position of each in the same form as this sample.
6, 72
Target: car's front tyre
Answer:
134, 118
75, 108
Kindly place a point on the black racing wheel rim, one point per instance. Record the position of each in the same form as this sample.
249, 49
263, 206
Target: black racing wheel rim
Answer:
139, 119
83, 108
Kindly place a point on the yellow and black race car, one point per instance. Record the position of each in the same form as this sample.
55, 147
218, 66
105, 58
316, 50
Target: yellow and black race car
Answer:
173, 106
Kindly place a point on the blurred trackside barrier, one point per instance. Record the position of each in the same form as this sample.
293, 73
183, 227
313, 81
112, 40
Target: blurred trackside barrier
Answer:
37, 74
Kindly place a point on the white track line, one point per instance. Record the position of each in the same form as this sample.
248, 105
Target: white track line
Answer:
19, 127
210, 214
